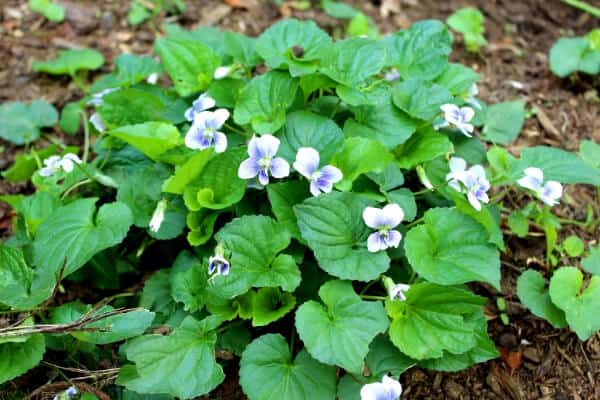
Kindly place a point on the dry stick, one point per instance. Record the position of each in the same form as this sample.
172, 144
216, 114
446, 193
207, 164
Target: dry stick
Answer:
570, 360
582, 5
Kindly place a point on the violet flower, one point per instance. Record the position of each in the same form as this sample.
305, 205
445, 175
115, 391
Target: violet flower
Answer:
384, 220
549, 192
321, 180
204, 132
202, 103
387, 389
457, 117
53, 164
262, 161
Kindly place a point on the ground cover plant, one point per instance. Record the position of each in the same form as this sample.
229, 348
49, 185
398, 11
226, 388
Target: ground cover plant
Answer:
323, 213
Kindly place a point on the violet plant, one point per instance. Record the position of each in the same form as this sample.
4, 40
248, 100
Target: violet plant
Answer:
342, 206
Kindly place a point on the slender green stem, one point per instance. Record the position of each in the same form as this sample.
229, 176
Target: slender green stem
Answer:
582, 5
368, 286
415, 222
75, 186
369, 297
236, 130
230, 325
86, 135
499, 196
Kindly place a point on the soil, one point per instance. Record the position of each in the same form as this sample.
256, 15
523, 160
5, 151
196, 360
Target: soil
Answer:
538, 362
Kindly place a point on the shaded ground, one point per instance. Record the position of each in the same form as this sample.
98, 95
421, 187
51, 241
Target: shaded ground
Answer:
539, 362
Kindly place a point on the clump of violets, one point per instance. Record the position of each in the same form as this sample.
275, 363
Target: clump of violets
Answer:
262, 161
387, 389
321, 180
472, 181
548, 192
457, 117
384, 220
158, 216
204, 132
202, 103
54, 164
218, 264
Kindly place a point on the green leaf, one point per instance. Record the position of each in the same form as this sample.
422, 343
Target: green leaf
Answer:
504, 121
362, 25
305, 129
340, 331
382, 122
25, 164
297, 45
187, 172
359, 156
532, 291
425, 145
420, 52
270, 304
385, 358
53, 11
70, 118
451, 248
332, 226
189, 286
226, 91
351, 61
188, 354
569, 55
433, 320
228, 309
389, 179
202, 225
458, 79
255, 243
218, 185
338, 9
580, 306
76, 232
15, 276
264, 100
375, 93
405, 199
137, 13
484, 350
151, 102
242, 49
20, 123
518, 223
591, 263
18, 358
420, 99
110, 329
190, 64
589, 151
573, 246
267, 367
234, 339
557, 164
283, 197
69, 62
151, 138
129, 70
469, 22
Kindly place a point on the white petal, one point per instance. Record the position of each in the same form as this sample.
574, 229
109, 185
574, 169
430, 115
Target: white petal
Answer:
551, 193
468, 113
374, 243
535, 173
152, 78
393, 215
314, 189
47, 171
204, 102
67, 165
394, 238
392, 386
457, 164
478, 172
220, 116
331, 173
201, 119
269, 144
220, 142
52, 161
279, 168
307, 161
530, 182
373, 217
248, 169
449, 108
97, 122
73, 157
474, 201
372, 391
466, 129
222, 72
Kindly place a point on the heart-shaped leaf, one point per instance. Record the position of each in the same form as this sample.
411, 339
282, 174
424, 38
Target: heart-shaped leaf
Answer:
532, 291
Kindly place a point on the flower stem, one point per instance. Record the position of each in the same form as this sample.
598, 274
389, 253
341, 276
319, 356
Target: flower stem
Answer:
86, 135
369, 297
415, 222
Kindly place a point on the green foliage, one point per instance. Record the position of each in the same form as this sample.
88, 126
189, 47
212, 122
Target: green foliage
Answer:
18, 358
469, 22
532, 291
20, 123
570, 55
53, 11
504, 121
69, 62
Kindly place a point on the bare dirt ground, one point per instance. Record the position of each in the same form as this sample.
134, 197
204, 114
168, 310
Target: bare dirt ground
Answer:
538, 362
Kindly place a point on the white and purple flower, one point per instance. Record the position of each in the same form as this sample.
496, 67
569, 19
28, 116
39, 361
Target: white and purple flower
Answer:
549, 192
204, 132
387, 389
473, 181
96, 120
457, 117
391, 75
222, 72
321, 180
397, 291
384, 220
53, 164
158, 216
262, 161
202, 103
67, 394
472, 96
218, 264
153, 78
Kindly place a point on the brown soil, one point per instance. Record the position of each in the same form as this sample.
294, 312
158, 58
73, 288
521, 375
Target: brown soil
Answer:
538, 362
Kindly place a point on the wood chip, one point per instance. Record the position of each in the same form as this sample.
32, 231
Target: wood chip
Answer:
546, 122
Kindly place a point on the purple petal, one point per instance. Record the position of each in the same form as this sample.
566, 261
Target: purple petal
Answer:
212, 265
217, 118
392, 386
393, 215
375, 242
204, 102
373, 391
315, 189
196, 140
279, 168
264, 146
224, 269
331, 174
474, 201
263, 177
307, 161
220, 141
248, 168
189, 114
323, 185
